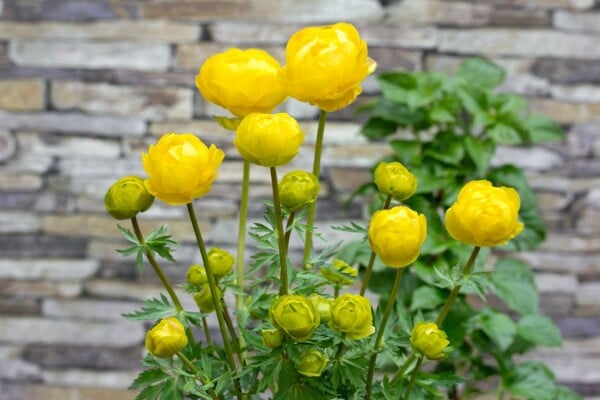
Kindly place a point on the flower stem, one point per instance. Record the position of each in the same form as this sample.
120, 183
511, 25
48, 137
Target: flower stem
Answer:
239, 298
283, 276
310, 219
413, 378
404, 366
186, 361
288, 228
213, 292
230, 327
378, 341
369, 270
206, 330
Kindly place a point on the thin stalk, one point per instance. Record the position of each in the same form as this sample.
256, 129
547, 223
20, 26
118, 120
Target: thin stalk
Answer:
413, 378
310, 219
336, 291
341, 348
369, 270
379, 340
240, 305
186, 361
213, 292
288, 228
206, 331
230, 327
283, 276
404, 367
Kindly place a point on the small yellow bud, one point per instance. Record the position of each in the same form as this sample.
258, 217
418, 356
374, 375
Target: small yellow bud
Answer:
339, 273
196, 275
429, 340
312, 363
166, 338
204, 301
298, 189
272, 338
322, 305
394, 179
351, 314
295, 316
221, 261
127, 197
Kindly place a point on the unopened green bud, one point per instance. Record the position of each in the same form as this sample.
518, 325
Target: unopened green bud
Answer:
294, 315
429, 340
312, 363
272, 338
339, 273
166, 338
322, 305
204, 301
196, 275
394, 179
127, 197
221, 261
298, 189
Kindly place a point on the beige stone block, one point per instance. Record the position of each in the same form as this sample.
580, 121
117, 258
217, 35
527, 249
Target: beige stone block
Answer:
22, 94
40, 289
571, 21
87, 309
529, 158
566, 113
551, 183
16, 222
48, 269
580, 264
348, 179
400, 36
569, 4
576, 93
49, 392
355, 155
570, 243
422, 12
20, 182
556, 283
67, 146
86, 378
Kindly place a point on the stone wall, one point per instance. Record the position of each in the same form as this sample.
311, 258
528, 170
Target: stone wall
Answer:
86, 85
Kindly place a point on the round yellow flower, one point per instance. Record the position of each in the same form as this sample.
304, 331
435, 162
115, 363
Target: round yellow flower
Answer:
181, 167
295, 316
396, 235
325, 65
242, 81
351, 314
196, 275
394, 179
429, 340
298, 189
166, 338
322, 305
268, 139
312, 363
272, 338
221, 261
484, 215
127, 197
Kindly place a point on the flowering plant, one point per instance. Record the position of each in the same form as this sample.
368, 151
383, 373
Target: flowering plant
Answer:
293, 335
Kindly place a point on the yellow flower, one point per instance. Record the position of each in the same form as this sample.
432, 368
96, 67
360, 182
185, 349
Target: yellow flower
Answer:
312, 363
394, 179
322, 305
339, 273
221, 261
204, 301
325, 65
180, 168
351, 314
196, 275
298, 189
268, 139
429, 340
166, 338
295, 316
242, 81
272, 338
127, 197
396, 235
484, 215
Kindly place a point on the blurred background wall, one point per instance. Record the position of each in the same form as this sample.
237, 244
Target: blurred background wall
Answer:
86, 85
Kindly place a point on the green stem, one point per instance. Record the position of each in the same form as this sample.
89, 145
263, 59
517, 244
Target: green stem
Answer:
341, 348
283, 290
310, 219
240, 305
379, 340
213, 292
369, 270
336, 291
186, 361
288, 228
404, 367
452, 296
413, 378
230, 327
206, 331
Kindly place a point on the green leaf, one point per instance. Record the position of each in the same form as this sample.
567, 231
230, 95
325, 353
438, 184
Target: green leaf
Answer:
480, 73
515, 285
542, 129
503, 134
407, 152
564, 393
499, 327
441, 115
228, 123
446, 147
532, 380
426, 297
481, 151
159, 241
378, 128
152, 309
398, 113
539, 329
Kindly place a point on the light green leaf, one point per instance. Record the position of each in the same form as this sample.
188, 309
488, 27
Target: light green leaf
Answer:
542, 129
499, 327
539, 329
480, 73
515, 285
532, 380
229, 123
426, 297
481, 151
378, 128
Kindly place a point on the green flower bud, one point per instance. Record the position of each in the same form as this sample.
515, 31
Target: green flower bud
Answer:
395, 180
298, 189
339, 273
312, 363
429, 340
204, 300
196, 275
351, 314
221, 261
322, 305
272, 338
127, 197
295, 316
166, 338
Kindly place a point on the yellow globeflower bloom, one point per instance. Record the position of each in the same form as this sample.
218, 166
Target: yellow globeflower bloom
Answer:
396, 235
127, 197
166, 338
181, 167
325, 65
396, 180
351, 314
242, 81
429, 340
269, 140
295, 316
484, 215
221, 261
298, 189
312, 363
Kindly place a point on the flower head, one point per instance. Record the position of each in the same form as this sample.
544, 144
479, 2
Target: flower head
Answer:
322, 305
221, 261
196, 275
298, 189
272, 338
127, 197
180, 168
394, 179
268, 139
396, 235
295, 316
242, 81
351, 314
429, 340
166, 338
484, 215
203, 299
312, 363
325, 65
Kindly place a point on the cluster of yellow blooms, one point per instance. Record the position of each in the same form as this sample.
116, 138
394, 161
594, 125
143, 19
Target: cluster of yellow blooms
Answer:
325, 67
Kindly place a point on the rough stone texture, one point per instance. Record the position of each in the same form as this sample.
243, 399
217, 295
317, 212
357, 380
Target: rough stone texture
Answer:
422, 12
48, 392
19, 222
22, 95
52, 270
63, 356
568, 71
571, 21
